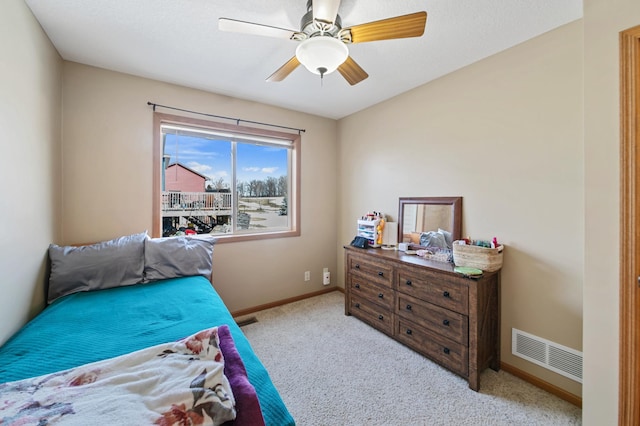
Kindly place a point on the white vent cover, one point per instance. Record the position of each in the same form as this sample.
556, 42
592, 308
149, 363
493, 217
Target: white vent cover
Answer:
548, 354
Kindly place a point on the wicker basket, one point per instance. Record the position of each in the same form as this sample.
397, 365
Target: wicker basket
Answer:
487, 259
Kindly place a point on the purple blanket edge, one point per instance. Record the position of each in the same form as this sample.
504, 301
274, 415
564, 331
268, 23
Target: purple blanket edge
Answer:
248, 411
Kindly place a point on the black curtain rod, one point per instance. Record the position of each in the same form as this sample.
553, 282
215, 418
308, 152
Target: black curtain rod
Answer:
237, 120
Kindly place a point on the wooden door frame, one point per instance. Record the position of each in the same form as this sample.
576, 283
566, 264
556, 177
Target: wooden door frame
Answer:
629, 370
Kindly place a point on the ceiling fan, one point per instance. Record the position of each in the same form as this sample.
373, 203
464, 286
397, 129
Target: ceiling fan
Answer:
323, 41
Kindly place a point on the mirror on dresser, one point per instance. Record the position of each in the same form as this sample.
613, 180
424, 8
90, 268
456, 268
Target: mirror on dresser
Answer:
418, 215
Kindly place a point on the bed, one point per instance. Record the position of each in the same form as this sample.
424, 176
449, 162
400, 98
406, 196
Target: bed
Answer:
94, 326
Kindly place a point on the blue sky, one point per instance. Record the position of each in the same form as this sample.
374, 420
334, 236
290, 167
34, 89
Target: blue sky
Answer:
213, 158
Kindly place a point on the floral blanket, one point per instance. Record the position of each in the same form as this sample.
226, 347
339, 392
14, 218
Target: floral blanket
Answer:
177, 383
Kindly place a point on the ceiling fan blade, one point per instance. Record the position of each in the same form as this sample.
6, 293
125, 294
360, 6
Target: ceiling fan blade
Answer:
233, 25
325, 10
282, 72
404, 26
352, 72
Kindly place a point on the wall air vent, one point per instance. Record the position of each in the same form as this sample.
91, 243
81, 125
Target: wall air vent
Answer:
547, 354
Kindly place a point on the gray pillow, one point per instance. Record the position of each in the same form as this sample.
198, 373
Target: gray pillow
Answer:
173, 257
113, 263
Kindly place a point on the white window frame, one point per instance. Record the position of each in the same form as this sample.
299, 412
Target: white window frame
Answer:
246, 134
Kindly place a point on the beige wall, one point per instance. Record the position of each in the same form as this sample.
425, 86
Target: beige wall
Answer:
506, 135
603, 21
519, 112
108, 176
30, 117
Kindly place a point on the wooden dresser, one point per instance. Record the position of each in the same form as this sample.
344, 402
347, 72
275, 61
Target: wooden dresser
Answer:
451, 319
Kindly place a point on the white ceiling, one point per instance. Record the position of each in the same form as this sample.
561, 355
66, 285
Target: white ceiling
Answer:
178, 41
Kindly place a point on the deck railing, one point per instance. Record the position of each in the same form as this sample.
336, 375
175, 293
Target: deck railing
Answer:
196, 201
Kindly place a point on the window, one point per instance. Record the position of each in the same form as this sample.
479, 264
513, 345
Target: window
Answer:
230, 181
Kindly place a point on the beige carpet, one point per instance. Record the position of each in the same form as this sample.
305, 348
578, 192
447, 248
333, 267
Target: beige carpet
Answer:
332, 369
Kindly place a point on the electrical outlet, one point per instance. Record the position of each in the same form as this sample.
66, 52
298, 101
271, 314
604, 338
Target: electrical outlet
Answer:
326, 276
307, 275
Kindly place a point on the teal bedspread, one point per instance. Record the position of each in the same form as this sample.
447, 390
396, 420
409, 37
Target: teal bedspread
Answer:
127, 319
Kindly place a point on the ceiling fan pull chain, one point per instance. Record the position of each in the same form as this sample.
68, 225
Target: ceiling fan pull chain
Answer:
322, 71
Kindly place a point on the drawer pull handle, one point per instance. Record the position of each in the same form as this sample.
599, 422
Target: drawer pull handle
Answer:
409, 331
357, 266
380, 317
408, 307
358, 305
381, 296
446, 351
408, 282
357, 285
381, 273
445, 322
446, 294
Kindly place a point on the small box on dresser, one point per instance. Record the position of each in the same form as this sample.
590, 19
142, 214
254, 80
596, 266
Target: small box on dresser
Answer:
451, 319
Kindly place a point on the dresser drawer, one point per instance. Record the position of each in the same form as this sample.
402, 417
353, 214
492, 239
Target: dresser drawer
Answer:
450, 324
373, 314
434, 289
448, 353
378, 272
361, 288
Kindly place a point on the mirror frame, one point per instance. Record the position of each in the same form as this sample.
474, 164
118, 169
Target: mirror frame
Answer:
454, 202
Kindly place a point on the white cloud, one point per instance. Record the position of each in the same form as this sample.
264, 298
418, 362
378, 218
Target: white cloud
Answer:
267, 170
198, 167
220, 174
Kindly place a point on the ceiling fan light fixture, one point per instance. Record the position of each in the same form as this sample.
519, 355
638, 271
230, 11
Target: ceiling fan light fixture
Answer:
322, 54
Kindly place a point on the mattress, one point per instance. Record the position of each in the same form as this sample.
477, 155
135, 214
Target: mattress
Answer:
127, 319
